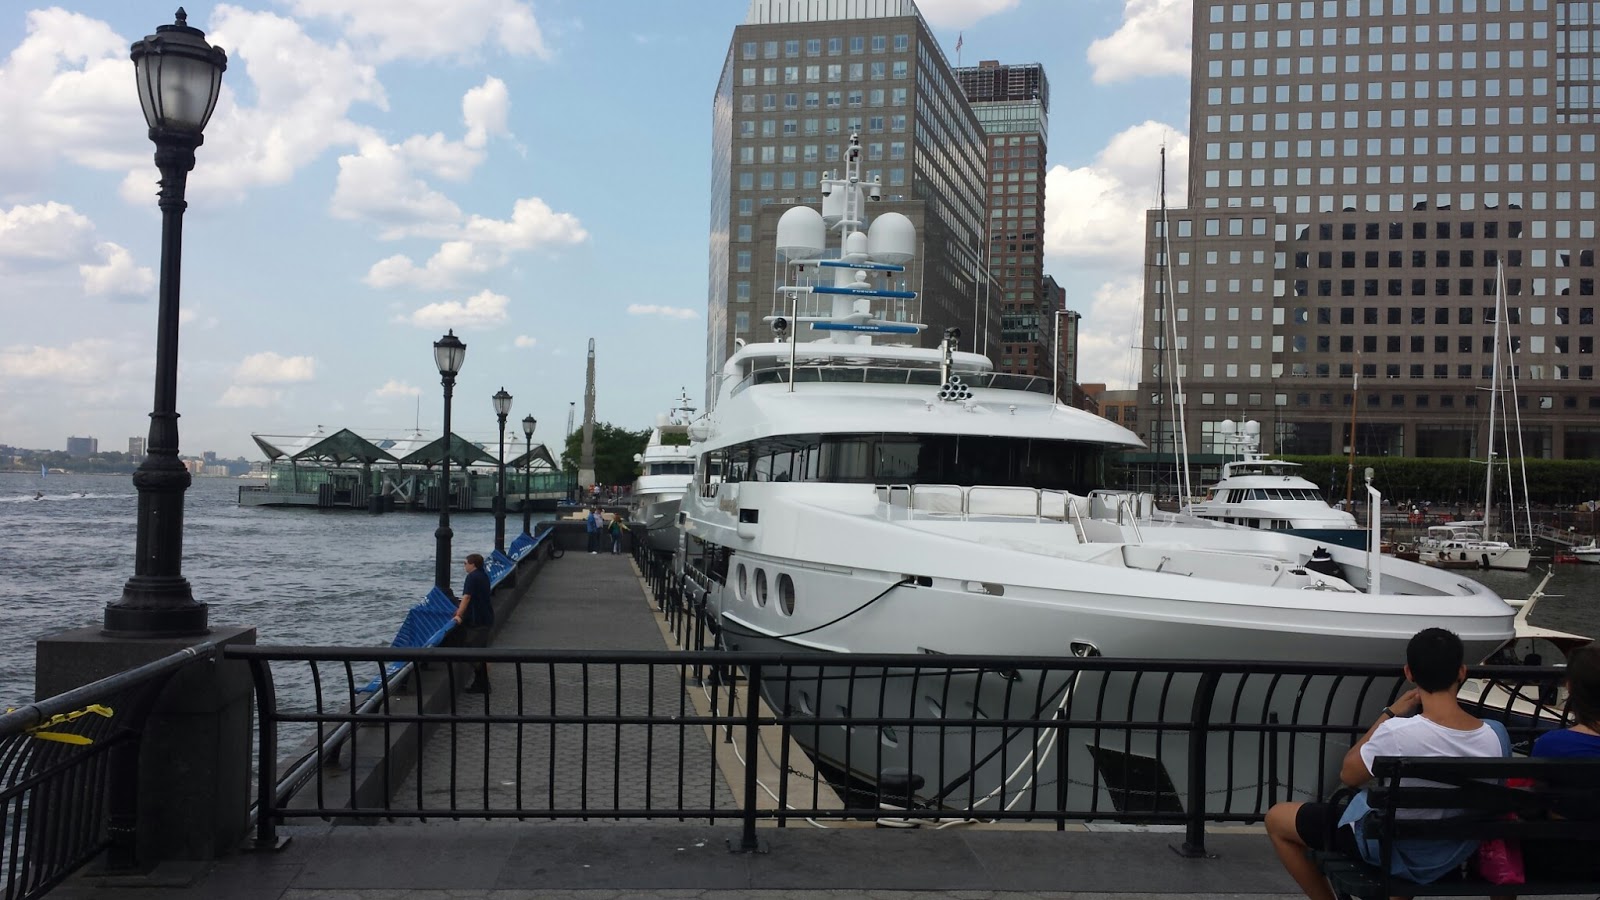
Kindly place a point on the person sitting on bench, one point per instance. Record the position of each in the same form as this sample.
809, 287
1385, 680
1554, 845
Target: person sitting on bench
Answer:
1560, 859
1434, 663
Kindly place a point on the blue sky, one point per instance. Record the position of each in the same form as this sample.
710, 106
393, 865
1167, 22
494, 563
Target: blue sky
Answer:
380, 170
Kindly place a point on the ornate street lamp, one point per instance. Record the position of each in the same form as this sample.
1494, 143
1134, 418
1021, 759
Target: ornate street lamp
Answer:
528, 424
179, 76
502, 408
448, 354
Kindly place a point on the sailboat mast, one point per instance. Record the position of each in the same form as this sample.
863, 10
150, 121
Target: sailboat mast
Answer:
1350, 466
1504, 315
1494, 395
1169, 312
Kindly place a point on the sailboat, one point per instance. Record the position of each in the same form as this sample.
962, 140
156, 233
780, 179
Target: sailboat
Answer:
1468, 544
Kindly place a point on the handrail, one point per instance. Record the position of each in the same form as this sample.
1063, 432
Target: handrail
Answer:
1207, 719
30, 714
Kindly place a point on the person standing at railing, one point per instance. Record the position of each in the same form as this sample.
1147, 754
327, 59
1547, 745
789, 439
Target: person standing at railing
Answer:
595, 526
474, 617
1426, 721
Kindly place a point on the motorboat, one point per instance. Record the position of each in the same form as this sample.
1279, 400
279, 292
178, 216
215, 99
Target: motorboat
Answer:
1463, 545
1270, 494
1518, 702
891, 498
665, 469
1588, 553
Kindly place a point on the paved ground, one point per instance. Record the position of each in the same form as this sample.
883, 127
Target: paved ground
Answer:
580, 602
585, 601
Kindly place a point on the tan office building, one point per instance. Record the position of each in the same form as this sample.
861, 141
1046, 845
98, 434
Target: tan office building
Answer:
1359, 171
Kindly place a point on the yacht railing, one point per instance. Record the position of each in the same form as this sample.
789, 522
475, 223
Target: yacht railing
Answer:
891, 375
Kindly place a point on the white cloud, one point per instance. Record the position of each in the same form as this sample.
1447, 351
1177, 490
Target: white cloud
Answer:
1153, 40
82, 362
665, 312
430, 30
66, 92
485, 109
271, 368
118, 275
961, 13
1095, 215
54, 236
481, 309
395, 388
44, 233
376, 184
243, 396
479, 245
303, 93
1107, 352
524, 342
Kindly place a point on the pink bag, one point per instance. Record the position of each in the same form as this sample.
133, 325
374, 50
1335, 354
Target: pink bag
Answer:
1499, 861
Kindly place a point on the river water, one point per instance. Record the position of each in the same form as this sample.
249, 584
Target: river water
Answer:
306, 576
301, 576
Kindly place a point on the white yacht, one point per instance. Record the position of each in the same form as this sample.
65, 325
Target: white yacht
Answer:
1463, 545
886, 498
1270, 494
665, 469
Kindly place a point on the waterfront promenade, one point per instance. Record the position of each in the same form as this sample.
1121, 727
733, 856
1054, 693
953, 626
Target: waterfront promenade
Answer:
585, 601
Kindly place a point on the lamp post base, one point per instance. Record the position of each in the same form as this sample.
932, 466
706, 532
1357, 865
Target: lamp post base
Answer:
155, 607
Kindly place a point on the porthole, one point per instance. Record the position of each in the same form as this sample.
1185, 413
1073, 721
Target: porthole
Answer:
806, 707
889, 736
786, 594
761, 587
744, 583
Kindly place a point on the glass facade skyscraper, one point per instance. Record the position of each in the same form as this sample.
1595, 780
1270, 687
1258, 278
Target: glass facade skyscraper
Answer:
1359, 170
802, 76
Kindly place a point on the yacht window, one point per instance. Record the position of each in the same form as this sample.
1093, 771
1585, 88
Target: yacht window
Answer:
846, 460
897, 460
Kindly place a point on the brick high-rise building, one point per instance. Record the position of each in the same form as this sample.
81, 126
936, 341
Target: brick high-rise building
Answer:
1013, 103
1357, 173
802, 76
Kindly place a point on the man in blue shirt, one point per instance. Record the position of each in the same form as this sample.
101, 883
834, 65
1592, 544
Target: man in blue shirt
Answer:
474, 617
596, 526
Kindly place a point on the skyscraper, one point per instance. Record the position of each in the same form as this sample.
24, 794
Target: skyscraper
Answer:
1358, 172
82, 446
802, 76
1013, 104
136, 447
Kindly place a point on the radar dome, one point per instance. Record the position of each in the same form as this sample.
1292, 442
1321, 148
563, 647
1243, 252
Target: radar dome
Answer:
833, 204
892, 239
800, 233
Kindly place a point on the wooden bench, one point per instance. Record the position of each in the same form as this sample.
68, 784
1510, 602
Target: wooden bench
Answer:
1566, 787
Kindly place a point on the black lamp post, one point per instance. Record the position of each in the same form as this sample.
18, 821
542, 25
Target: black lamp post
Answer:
502, 408
448, 354
528, 423
179, 76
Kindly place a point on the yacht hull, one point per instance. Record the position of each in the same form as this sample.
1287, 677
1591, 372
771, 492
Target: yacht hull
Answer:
655, 521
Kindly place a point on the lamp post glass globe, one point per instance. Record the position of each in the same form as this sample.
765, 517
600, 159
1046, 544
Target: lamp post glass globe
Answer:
449, 353
528, 424
178, 77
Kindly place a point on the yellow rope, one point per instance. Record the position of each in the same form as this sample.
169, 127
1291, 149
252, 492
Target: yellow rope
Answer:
64, 737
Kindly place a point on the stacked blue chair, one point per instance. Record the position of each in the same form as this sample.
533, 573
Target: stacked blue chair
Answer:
425, 625
498, 565
521, 546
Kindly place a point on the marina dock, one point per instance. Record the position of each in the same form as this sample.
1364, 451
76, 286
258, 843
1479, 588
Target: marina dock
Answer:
597, 603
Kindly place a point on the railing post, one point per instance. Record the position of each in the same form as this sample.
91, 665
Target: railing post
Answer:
752, 746
1194, 841
266, 757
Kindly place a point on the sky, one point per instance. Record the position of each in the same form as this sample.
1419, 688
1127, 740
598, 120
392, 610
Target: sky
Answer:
529, 173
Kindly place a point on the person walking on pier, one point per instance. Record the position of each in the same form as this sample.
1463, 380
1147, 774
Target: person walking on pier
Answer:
595, 526
1426, 721
615, 529
474, 617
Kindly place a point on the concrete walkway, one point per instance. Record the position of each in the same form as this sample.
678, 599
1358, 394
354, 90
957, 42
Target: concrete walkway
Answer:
597, 601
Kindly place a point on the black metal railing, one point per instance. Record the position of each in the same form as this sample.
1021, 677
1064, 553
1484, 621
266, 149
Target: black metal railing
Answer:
769, 737
69, 776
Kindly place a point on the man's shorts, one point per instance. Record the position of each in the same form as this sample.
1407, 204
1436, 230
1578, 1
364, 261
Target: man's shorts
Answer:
1315, 820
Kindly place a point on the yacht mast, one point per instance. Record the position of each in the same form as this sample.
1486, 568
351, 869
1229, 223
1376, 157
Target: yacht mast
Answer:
1169, 312
1494, 395
1503, 315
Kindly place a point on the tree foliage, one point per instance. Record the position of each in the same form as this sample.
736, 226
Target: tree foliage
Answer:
614, 450
1551, 482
